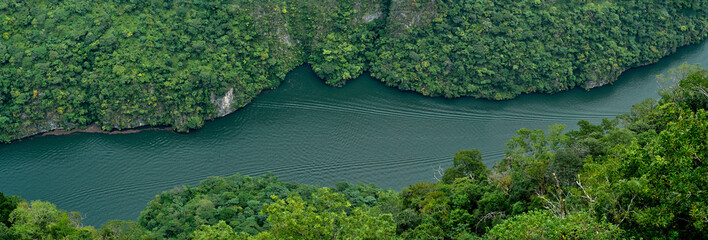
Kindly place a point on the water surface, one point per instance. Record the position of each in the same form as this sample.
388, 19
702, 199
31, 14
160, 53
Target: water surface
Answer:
305, 132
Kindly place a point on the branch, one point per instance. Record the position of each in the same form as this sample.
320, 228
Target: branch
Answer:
552, 207
438, 172
490, 215
585, 192
627, 212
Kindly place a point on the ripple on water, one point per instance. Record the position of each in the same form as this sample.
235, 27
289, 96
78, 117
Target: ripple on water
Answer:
367, 109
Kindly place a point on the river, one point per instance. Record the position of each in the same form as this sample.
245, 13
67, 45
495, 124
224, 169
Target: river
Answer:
305, 132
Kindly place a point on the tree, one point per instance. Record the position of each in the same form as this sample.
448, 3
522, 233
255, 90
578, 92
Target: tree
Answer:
42, 220
122, 230
467, 163
686, 84
656, 188
531, 153
542, 224
220, 231
7, 205
328, 216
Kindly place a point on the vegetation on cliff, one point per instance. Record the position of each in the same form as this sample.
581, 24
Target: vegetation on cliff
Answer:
639, 176
500, 49
124, 63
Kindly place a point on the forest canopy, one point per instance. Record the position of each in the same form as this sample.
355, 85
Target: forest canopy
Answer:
125, 63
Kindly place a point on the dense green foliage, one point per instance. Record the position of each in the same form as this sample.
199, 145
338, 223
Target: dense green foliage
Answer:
500, 49
7, 205
42, 220
125, 63
545, 225
237, 201
639, 176
121, 230
328, 215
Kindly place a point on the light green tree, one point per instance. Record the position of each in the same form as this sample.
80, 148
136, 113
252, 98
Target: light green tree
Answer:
220, 231
42, 220
327, 216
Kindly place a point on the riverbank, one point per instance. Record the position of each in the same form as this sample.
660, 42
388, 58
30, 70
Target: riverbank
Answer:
93, 128
224, 103
129, 71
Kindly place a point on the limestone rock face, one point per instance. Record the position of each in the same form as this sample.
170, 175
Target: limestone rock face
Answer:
223, 104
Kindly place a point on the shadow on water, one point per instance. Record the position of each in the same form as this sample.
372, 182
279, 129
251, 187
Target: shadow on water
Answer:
306, 132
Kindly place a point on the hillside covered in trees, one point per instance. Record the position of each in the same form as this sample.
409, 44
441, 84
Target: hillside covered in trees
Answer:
641, 175
126, 63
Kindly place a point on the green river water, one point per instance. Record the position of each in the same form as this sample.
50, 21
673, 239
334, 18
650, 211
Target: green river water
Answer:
304, 131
